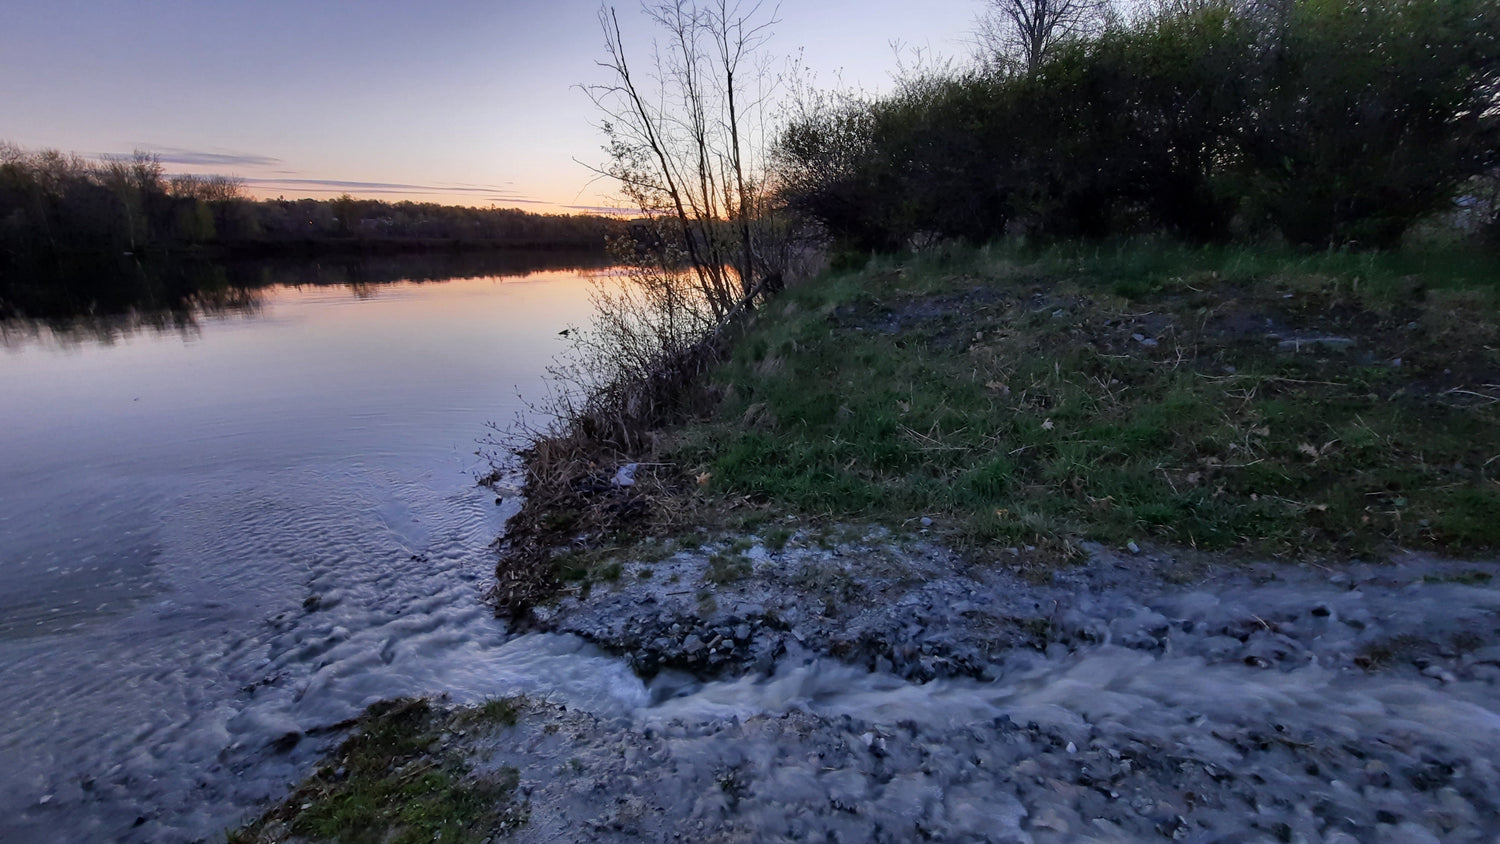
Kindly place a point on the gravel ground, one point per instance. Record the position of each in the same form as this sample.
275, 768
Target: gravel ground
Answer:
885, 691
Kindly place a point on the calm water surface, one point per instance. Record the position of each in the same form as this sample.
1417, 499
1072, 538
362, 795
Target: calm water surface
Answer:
229, 525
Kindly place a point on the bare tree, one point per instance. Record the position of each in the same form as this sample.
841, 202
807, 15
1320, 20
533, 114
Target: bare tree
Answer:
206, 188
678, 139
1025, 31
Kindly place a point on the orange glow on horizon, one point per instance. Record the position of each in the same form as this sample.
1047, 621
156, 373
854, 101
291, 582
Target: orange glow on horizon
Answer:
463, 200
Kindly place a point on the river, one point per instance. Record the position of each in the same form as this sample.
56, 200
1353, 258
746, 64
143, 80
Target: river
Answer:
230, 521
246, 517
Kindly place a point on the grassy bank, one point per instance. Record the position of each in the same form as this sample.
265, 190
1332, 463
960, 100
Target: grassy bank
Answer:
1276, 403
1015, 403
397, 780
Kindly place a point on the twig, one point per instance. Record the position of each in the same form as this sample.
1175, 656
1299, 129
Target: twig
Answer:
1488, 399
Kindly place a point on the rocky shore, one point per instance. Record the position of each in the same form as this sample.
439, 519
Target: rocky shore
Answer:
877, 690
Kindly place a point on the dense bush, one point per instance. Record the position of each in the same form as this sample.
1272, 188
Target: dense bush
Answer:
1321, 121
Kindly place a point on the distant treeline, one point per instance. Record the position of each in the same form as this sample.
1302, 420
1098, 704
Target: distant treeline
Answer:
54, 204
1320, 122
103, 286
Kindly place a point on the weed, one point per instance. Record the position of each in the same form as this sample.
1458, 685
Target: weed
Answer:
1386, 653
829, 580
707, 606
652, 550
386, 783
1038, 630
503, 711
727, 568
776, 538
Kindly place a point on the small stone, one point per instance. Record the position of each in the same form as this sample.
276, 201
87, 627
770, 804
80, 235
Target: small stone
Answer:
1132, 547
625, 475
926, 522
1437, 673
1072, 748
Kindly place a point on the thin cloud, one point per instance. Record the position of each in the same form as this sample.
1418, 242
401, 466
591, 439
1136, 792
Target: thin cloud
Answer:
178, 155
340, 185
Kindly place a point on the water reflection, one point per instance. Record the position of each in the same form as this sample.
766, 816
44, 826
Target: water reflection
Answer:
206, 545
104, 300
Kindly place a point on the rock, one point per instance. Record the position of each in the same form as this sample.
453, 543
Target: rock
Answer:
1436, 672
625, 475
1132, 547
692, 644
926, 522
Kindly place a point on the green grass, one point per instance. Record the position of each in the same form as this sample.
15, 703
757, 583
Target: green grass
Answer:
392, 782
500, 711
1010, 396
726, 568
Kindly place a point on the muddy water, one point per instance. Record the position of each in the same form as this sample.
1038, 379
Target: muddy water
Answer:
240, 524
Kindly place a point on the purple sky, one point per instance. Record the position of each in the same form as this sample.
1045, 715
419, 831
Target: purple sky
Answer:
446, 100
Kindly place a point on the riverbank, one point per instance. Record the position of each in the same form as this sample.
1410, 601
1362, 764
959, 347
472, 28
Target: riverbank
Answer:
881, 690
1072, 545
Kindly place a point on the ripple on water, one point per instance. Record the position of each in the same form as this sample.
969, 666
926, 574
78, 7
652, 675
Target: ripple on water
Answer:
329, 592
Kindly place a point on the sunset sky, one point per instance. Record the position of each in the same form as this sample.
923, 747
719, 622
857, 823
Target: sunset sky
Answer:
453, 100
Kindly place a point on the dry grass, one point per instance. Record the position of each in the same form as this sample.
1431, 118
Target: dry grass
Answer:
568, 471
